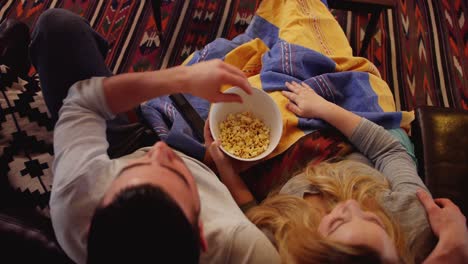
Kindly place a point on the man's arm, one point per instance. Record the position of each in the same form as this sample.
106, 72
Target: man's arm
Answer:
80, 137
203, 79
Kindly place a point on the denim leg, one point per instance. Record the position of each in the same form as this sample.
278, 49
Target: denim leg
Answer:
65, 49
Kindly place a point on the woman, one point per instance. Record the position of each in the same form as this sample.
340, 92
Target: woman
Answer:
362, 209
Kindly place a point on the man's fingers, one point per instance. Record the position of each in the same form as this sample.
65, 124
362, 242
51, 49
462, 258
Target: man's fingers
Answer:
207, 131
236, 80
228, 98
233, 69
427, 201
216, 152
444, 202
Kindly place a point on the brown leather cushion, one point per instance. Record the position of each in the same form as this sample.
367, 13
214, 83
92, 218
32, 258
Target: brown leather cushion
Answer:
27, 237
441, 145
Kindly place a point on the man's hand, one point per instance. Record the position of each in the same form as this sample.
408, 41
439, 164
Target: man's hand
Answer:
445, 217
205, 79
125, 91
224, 164
228, 169
449, 225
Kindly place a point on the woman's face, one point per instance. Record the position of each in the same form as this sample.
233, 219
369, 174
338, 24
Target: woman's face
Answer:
349, 224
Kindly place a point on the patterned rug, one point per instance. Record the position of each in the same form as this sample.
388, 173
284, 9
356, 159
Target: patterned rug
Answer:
421, 48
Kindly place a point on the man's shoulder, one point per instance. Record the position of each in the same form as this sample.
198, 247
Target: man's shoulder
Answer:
239, 242
251, 245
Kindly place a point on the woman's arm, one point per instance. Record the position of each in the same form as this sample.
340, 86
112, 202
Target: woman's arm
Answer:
305, 102
387, 154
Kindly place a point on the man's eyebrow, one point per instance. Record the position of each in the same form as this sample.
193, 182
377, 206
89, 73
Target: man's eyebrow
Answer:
180, 175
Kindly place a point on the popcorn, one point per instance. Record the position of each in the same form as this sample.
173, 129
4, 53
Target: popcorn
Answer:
244, 135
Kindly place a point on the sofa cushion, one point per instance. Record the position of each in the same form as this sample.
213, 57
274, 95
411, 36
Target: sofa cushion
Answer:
26, 150
26, 231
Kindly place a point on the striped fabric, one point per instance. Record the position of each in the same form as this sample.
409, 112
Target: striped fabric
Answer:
420, 49
302, 42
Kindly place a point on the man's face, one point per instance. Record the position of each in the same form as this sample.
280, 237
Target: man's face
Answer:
161, 167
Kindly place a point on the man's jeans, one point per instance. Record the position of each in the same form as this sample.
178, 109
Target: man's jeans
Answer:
65, 49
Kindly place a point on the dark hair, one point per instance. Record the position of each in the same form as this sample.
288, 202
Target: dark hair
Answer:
143, 224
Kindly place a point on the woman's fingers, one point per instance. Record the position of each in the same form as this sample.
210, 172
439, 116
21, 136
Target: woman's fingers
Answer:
292, 87
289, 95
306, 86
294, 108
299, 87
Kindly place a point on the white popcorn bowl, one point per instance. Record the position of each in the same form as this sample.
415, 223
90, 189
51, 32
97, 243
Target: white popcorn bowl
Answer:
261, 105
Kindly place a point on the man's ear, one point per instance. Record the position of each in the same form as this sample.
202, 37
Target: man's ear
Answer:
203, 243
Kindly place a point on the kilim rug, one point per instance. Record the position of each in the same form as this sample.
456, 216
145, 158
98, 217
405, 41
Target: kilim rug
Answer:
421, 48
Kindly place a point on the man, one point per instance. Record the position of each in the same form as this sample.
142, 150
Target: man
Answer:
155, 204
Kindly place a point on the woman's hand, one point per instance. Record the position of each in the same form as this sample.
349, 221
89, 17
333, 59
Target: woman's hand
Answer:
304, 101
449, 225
205, 79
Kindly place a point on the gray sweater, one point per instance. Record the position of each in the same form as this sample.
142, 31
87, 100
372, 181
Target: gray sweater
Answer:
382, 151
83, 172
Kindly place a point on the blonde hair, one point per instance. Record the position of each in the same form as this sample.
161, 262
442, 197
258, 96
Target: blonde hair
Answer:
293, 222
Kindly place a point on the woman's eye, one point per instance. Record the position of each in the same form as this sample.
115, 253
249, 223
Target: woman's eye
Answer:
376, 221
335, 224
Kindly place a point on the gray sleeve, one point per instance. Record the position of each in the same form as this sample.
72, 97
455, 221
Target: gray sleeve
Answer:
250, 245
80, 143
392, 160
80, 147
388, 155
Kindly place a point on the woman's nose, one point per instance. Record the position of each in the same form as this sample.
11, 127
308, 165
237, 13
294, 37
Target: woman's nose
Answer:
353, 207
